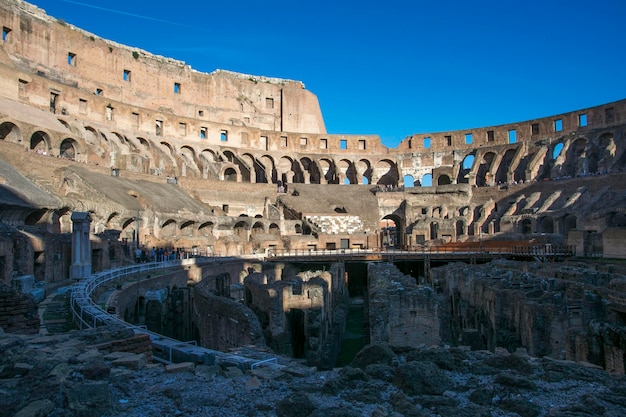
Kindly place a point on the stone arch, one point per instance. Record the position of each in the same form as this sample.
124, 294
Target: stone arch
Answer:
575, 160
274, 229
66, 125
444, 179
10, 132
257, 171
91, 135
230, 173
546, 225
168, 228
68, 149
347, 172
387, 172
187, 228
465, 168
310, 170
602, 157
112, 221
267, 161
285, 168
328, 170
391, 233
364, 169
143, 142
190, 161
208, 160
257, 228
241, 229
206, 229
122, 142
569, 223
242, 168
526, 226
427, 180
502, 173
408, 181
484, 168
40, 142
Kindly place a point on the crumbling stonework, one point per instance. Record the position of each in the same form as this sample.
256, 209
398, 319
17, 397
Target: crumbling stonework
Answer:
18, 312
566, 311
302, 314
223, 323
402, 313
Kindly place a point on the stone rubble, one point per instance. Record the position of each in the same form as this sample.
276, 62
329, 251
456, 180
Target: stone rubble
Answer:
77, 374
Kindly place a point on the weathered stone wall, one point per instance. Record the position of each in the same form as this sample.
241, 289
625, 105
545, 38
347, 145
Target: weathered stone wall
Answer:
565, 311
223, 323
303, 313
614, 243
18, 312
402, 313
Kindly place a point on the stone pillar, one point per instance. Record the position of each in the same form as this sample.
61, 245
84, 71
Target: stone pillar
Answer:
81, 246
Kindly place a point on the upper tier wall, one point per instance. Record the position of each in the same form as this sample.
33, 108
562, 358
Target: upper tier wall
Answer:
54, 66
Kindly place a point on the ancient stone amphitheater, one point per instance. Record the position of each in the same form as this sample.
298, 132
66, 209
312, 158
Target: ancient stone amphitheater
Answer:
224, 164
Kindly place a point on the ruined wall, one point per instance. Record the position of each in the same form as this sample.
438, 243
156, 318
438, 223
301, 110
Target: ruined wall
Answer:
302, 312
223, 323
614, 243
565, 311
402, 313
18, 312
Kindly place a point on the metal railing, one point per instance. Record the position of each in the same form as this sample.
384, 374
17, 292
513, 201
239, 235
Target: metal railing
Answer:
88, 314
491, 251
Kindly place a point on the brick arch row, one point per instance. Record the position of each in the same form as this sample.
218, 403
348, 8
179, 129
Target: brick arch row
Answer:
579, 155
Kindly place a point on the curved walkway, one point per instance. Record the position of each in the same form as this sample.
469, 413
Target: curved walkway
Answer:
88, 314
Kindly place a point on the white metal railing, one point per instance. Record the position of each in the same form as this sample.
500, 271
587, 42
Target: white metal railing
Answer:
88, 314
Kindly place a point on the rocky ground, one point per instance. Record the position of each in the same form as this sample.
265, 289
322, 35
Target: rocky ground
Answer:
67, 374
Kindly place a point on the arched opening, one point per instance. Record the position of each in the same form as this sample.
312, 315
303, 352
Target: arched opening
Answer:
546, 225
557, 150
67, 149
427, 180
482, 175
206, 229
230, 175
257, 228
443, 180
464, 171
10, 132
240, 229
390, 231
526, 226
408, 181
40, 142
569, 223
502, 174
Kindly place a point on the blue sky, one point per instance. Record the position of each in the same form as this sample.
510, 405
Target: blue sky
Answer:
392, 68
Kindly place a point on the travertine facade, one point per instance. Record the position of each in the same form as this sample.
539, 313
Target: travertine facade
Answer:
227, 164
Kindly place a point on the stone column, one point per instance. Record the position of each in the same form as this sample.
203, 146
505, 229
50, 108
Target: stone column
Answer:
81, 246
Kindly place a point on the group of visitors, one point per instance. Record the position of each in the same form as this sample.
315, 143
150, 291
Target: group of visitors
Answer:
158, 254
